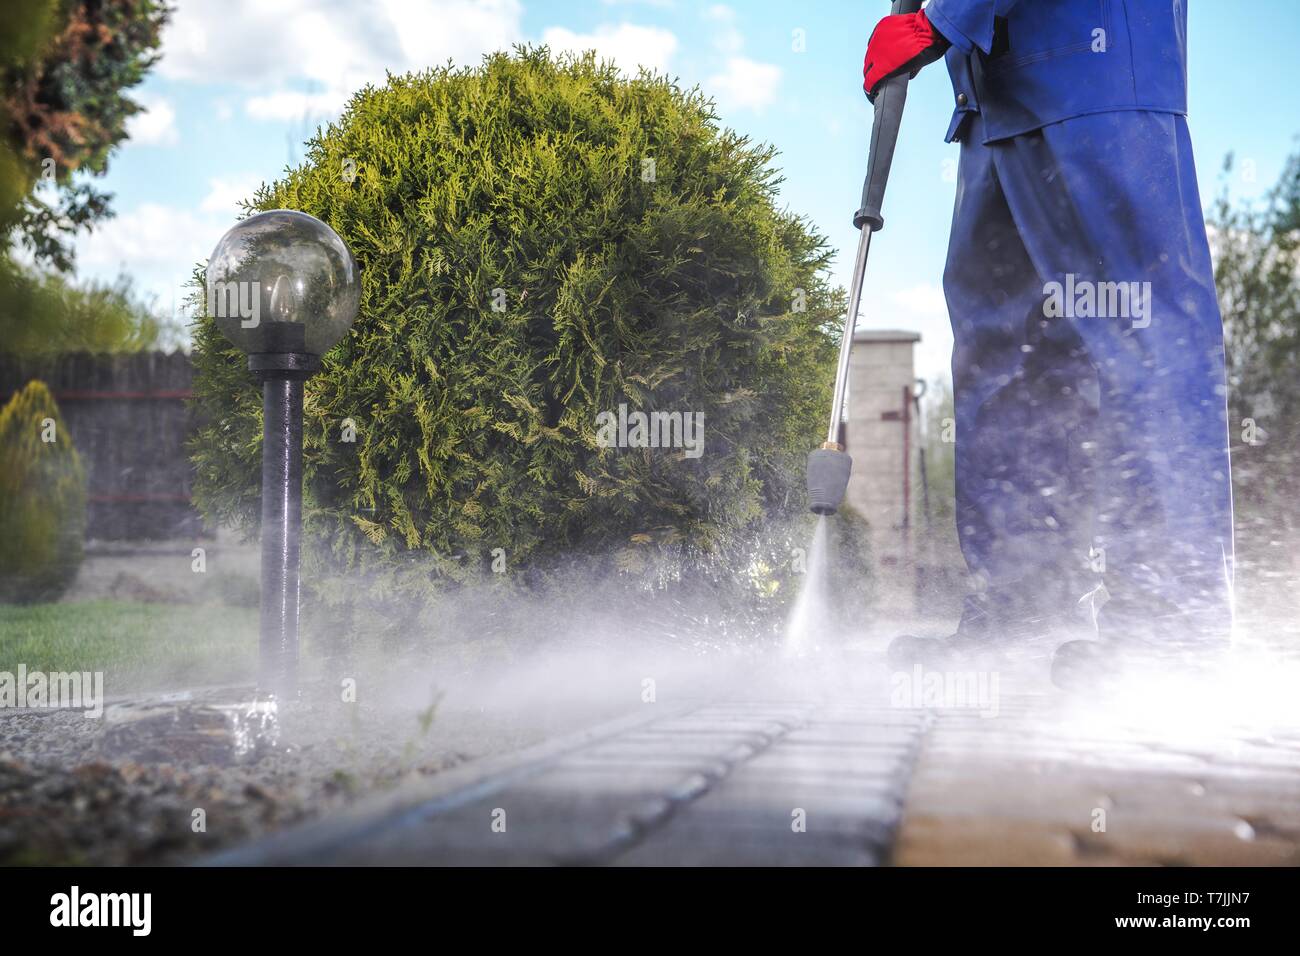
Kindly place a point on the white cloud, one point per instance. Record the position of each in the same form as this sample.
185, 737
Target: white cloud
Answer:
290, 105
225, 195
627, 44
158, 246
308, 56
431, 33
155, 125
745, 83
728, 38
149, 236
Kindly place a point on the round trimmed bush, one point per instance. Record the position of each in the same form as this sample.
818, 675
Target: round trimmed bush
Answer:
540, 241
42, 499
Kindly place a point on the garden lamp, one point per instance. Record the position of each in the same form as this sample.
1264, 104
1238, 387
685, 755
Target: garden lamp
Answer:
284, 288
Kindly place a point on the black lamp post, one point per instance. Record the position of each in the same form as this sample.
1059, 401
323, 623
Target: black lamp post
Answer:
284, 288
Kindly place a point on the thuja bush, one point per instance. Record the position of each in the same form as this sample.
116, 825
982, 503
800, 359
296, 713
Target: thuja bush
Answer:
540, 240
42, 499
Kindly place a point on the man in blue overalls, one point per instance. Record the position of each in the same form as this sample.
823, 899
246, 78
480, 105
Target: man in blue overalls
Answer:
1088, 366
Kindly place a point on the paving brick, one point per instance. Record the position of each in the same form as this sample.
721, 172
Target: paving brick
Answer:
745, 804
836, 763
685, 845
681, 748
613, 781
634, 763
740, 725
540, 827
926, 840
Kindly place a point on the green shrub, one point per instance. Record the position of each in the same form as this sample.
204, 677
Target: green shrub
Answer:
42, 499
678, 286
45, 314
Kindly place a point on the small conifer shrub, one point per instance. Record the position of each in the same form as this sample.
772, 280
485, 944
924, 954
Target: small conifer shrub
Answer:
541, 241
42, 499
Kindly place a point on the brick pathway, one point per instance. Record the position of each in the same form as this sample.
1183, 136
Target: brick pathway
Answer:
1036, 786
738, 782
726, 783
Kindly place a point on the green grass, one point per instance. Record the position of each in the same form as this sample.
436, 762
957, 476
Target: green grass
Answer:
135, 645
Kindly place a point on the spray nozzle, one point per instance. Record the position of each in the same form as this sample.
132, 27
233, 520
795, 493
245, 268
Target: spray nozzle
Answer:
828, 478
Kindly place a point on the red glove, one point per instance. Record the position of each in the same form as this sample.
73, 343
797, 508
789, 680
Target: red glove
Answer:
903, 41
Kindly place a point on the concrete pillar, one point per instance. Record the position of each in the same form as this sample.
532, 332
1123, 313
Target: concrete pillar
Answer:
881, 434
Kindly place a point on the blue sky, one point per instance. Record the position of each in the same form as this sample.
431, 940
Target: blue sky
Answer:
243, 82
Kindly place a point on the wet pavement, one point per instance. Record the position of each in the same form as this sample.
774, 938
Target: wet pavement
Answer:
1036, 780
1038, 786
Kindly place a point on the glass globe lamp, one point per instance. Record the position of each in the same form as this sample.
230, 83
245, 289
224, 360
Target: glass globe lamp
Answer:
283, 282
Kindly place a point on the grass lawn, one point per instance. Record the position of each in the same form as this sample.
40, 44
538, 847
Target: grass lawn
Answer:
136, 645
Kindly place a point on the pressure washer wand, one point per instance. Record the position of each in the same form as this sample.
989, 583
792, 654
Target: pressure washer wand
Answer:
829, 466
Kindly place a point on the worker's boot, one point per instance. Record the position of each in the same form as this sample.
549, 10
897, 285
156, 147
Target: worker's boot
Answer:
1087, 665
1143, 636
1099, 666
989, 629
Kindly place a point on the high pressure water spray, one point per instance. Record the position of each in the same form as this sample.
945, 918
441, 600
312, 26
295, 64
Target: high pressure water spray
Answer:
829, 466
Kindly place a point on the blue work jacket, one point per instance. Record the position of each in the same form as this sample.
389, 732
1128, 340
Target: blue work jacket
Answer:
1023, 64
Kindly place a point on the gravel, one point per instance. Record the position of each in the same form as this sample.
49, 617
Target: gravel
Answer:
166, 780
